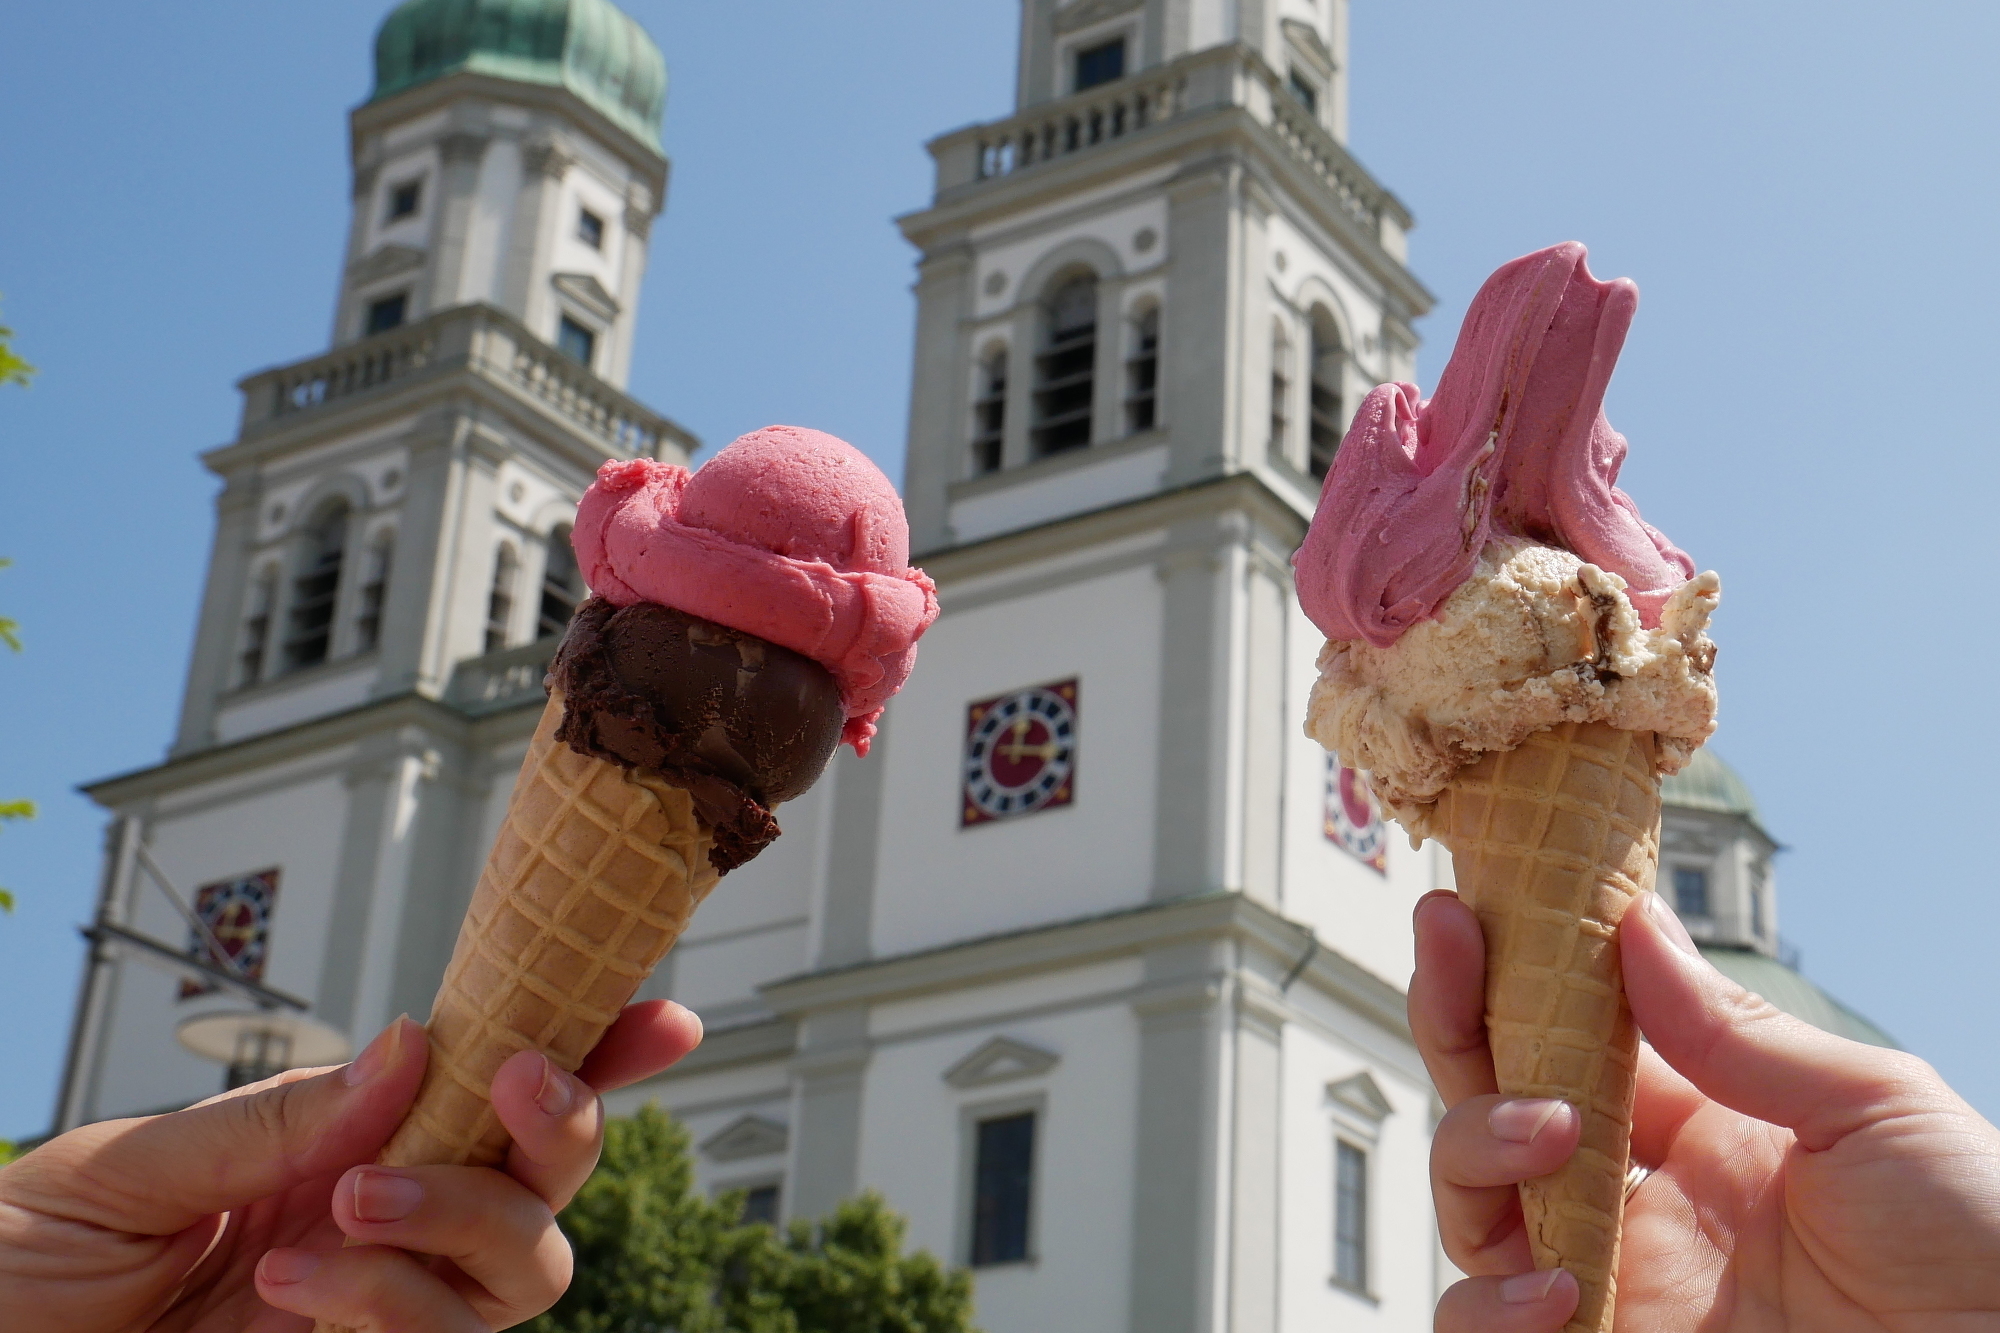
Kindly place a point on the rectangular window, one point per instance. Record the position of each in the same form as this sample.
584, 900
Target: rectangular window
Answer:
760, 1204
1304, 90
989, 416
405, 200
387, 313
1142, 375
575, 341
1100, 64
1350, 1216
590, 229
1002, 1181
1690, 891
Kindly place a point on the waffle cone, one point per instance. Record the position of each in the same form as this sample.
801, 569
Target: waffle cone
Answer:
1552, 842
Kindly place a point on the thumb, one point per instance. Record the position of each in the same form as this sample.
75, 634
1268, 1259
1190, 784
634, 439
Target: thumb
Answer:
162, 1174
1744, 1052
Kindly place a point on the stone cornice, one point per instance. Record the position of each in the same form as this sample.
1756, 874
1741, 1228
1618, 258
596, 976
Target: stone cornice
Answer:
1068, 944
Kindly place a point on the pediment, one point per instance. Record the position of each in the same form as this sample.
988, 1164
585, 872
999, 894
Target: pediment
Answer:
1086, 12
749, 1136
1362, 1095
998, 1061
1307, 39
587, 292
386, 262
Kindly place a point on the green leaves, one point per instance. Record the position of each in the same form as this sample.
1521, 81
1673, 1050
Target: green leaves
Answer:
652, 1256
13, 370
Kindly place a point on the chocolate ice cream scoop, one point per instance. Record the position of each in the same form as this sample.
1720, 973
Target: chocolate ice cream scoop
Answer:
740, 722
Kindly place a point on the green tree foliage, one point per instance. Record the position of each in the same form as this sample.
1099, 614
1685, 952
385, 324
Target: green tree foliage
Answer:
653, 1256
13, 370
11, 636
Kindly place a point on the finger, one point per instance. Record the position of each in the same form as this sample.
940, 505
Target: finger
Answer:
557, 1123
1483, 1148
1524, 1303
161, 1174
1744, 1052
1448, 998
646, 1038
369, 1290
500, 1234
1661, 1108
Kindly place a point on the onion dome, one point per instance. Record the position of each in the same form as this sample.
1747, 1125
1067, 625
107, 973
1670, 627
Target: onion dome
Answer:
1709, 784
590, 47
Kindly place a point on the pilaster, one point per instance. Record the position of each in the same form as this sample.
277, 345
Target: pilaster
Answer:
460, 154
937, 388
216, 633
847, 915
1199, 392
1172, 1274
1189, 834
412, 614
827, 1074
1255, 1139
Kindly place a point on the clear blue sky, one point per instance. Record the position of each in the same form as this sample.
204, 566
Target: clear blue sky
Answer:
1804, 192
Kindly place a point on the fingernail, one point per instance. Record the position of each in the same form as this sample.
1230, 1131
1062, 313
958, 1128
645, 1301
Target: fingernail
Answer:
281, 1268
1527, 1288
382, 1197
1425, 901
1523, 1121
556, 1095
379, 1055
1671, 926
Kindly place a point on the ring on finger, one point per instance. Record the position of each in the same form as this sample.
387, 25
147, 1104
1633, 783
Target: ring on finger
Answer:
1635, 1176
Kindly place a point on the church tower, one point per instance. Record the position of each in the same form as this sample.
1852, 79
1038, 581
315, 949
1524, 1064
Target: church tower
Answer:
391, 563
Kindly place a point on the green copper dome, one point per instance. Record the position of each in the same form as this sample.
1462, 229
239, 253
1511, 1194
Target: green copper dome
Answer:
590, 47
1709, 784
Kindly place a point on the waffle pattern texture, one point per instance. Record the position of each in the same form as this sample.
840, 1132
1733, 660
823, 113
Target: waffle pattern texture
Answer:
1552, 841
595, 874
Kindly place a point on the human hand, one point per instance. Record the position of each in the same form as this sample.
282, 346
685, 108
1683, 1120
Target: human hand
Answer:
229, 1217
1799, 1181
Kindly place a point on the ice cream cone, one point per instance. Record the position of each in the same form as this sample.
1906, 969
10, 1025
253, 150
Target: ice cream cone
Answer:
595, 873
1552, 842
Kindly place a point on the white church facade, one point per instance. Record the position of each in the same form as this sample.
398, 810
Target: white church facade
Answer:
1094, 967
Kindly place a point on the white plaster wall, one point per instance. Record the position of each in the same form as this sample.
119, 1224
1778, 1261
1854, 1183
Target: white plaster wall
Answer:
1311, 273
1356, 909
1074, 490
272, 712
938, 881
1007, 252
913, 1151
709, 1103
418, 164
1402, 1228
490, 232
291, 821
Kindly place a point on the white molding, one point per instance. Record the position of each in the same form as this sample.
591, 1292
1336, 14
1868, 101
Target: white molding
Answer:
386, 261
747, 1136
589, 293
1000, 1060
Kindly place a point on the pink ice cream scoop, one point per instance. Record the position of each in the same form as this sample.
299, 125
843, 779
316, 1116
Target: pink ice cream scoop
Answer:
1513, 443
788, 534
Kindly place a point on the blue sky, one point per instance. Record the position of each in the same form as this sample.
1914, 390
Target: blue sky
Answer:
1804, 193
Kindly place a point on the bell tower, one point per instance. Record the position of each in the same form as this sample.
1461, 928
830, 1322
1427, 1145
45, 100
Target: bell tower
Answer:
391, 565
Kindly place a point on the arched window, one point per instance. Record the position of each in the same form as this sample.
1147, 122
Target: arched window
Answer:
1329, 368
1281, 392
374, 591
561, 588
1142, 373
316, 589
500, 602
989, 413
1066, 373
257, 627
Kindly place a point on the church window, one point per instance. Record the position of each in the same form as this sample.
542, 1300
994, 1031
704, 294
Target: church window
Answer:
1003, 1181
760, 1205
1066, 373
1303, 88
257, 628
316, 588
575, 341
560, 587
989, 413
1691, 891
1281, 392
387, 313
1328, 419
405, 199
1100, 64
500, 602
1350, 1215
590, 229
374, 589
1142, 373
